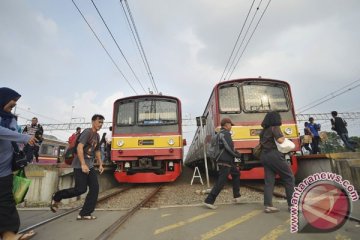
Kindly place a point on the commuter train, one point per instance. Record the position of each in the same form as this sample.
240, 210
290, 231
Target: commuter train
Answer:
147, 143
245, 102
51, 151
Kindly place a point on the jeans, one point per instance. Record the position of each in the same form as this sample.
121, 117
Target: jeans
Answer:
224, 172
348, 143
275, 163
82, 180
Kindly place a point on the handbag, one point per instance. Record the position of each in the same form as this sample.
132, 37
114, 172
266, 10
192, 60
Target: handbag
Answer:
286, 146
307, 139
20, 159
21, 186
257, 151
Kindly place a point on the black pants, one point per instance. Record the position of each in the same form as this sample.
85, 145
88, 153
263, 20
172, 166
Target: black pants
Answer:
9, 217
82, 180
224, 172
315, 145
275, 163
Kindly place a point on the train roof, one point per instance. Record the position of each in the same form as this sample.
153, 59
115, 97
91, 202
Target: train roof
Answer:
148, 96
259, 79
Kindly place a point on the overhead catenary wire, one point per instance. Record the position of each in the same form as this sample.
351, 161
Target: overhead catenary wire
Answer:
242, 42
116, 43
102, 45
332, 97
237, 40
247, 43
136, 36
313, 103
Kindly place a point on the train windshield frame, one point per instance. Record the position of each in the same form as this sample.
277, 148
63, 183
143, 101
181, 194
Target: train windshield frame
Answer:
147, 112
151, 112
229, 99
126, 114
253, 97
261, 97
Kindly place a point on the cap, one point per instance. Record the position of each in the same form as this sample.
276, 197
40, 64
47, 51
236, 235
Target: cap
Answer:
226, 120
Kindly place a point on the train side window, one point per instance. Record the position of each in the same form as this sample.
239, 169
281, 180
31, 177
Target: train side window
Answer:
229, 99
47, 149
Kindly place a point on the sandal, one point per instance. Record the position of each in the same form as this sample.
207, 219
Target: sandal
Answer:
27, 235
54, 206
85, 217
269, 209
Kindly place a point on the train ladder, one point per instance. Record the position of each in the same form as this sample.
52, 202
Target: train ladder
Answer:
196, 175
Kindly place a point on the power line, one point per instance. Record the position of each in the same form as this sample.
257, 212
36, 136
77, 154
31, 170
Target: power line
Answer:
326, 97
243, 39
138, 42
112, 36
237, 62
330, 98
237, 40
102, 45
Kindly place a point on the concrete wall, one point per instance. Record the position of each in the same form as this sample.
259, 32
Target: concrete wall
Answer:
48, 179
345, 164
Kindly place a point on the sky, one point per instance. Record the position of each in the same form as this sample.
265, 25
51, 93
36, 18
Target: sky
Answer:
50, 56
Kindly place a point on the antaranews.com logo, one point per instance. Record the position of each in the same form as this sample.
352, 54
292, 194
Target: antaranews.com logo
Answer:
321, 203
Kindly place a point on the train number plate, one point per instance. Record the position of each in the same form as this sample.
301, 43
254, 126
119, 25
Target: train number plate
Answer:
255, 132
146, 142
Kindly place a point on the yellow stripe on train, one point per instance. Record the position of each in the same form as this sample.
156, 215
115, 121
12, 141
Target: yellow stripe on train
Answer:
147, 142
252, 132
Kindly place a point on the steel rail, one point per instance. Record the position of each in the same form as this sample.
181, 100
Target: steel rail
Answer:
107, 233
70, 211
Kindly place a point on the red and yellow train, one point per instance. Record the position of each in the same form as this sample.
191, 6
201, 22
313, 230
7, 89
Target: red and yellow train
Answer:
147, 142
245, 102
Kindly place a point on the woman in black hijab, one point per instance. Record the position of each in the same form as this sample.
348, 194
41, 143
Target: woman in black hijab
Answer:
9, 217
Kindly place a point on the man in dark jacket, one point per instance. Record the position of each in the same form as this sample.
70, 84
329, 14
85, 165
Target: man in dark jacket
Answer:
339, 125
226, 165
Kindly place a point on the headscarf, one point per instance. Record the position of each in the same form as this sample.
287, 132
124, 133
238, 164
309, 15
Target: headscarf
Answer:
6, 95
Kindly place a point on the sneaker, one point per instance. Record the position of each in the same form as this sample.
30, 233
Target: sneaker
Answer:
236, 200
269, 209
209, 205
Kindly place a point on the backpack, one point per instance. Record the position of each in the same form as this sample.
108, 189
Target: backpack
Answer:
213, 151
70, 153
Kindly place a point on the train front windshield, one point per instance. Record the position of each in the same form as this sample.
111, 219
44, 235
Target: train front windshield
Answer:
254, 99
147, 116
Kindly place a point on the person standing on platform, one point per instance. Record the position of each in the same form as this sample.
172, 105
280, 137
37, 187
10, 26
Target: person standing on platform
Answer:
226, 165
314, 128
35, 129
274, 161
9, 217
339, 125
307, 140
88, 150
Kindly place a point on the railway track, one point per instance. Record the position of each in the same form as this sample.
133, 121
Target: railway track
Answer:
108, 232
101, 199
118, 223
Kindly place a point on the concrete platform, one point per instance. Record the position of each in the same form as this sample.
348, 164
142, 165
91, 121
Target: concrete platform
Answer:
242, 221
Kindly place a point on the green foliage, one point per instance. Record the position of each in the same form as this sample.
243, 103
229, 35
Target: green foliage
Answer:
334, 144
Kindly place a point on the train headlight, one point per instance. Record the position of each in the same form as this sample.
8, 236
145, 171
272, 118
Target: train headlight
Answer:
288, 131
120, 143
171, 141
127, 165
171, 166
